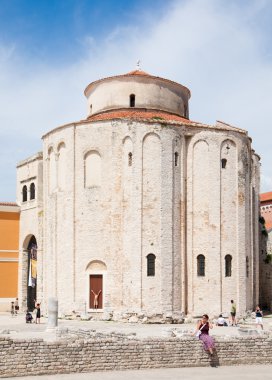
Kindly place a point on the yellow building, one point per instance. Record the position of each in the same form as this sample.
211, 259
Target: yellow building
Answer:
9, 253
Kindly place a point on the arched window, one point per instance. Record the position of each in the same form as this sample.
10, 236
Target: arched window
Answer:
132, 100
61, 166
223, 163
130, 159
24, 193
151, 264
228, 260
247, 266
32, 191
52, 168
201, 265
92, 169
176, 158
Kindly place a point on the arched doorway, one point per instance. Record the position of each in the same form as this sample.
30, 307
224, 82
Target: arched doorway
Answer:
96, 272
31, 273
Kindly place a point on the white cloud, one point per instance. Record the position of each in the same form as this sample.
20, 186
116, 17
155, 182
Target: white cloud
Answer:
216, 48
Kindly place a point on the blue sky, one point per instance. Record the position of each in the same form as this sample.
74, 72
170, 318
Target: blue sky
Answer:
56, 29
51, 49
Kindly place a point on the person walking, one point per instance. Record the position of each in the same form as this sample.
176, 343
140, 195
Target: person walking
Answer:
12, 309
202, 331
259, 317
16, 304
233, 321
38, 312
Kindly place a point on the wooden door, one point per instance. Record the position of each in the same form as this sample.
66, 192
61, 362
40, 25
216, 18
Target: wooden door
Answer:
96, 286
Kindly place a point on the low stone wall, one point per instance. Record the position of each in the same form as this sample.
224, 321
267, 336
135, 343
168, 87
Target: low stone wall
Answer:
36, 357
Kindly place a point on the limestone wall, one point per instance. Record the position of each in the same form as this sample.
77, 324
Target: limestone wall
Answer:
149, 93
220, 222
37, 357
30, 171
115, 192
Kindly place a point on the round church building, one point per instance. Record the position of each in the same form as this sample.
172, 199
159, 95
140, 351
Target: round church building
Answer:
138, 212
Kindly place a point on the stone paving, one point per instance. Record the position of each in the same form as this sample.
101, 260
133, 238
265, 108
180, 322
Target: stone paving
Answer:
17, 328
204, 373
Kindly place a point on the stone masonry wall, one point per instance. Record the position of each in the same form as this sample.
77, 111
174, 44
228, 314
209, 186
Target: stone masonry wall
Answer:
36, 357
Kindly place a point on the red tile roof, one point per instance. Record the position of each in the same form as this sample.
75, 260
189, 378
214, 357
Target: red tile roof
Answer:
264, 197
141, 114
8, 204
138, 72
148, 116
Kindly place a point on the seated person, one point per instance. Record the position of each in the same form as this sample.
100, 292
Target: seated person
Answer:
221, 321
28, 317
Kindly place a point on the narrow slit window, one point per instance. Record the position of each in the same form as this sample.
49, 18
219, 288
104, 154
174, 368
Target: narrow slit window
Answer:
247, 266
132, 100
228, 260
130, 159
32, 191
176, 159
185, 110
24, 193
223, 163
201, 265
151, 264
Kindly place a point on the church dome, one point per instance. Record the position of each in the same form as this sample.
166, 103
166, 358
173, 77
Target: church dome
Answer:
137, 90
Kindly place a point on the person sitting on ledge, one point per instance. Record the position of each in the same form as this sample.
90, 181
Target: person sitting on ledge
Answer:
202, 332
221, 321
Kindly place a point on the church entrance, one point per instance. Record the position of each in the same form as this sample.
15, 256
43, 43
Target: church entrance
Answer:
96, 291
31, 273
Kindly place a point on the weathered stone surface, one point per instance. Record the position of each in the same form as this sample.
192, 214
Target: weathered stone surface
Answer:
116, 191
133, 319
52, 321
82, 350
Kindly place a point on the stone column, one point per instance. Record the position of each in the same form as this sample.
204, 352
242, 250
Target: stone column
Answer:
52, 313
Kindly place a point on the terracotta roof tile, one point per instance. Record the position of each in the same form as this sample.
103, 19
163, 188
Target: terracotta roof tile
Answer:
144, 115
8, 204
138, 72
264, 197
140, 114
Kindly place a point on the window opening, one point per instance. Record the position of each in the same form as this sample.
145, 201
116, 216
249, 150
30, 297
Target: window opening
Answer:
176, 158
247, 266
132, 100
130, 159
185, 110
32, 191
228, 260
201, 265
24, 193
223, 163
151, 264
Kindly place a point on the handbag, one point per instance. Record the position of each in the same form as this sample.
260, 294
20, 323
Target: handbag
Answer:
198, 333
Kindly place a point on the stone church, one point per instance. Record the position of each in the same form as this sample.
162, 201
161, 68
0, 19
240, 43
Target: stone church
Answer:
138, 210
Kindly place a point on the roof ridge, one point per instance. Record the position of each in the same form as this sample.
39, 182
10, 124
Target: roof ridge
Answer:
8, 204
